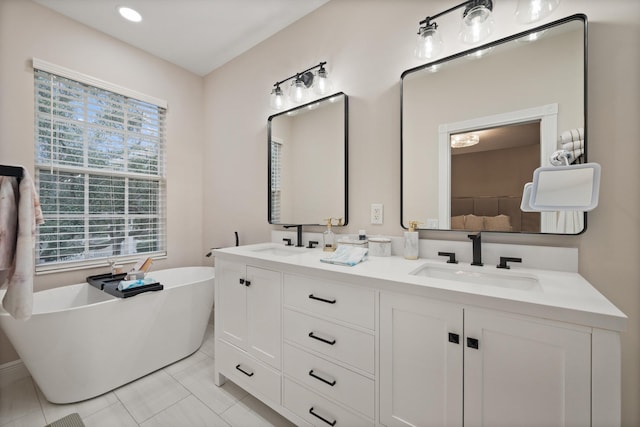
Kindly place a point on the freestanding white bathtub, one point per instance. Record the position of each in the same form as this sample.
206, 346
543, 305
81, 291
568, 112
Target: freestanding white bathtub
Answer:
82, 342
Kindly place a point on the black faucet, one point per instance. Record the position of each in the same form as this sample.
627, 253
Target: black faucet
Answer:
477, 249
451, 255
288, 242
298, 234
505, 259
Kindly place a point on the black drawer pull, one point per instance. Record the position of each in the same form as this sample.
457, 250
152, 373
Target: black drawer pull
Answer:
454, 338
245, 282
331, 423
331, 383
242, 281
473, 343
249, 374
311, 335
328, 301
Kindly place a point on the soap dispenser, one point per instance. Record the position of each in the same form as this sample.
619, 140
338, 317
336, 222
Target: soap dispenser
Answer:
328, 238
411, 241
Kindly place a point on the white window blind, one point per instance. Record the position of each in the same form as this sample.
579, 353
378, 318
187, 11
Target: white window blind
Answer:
276, 173
100, 174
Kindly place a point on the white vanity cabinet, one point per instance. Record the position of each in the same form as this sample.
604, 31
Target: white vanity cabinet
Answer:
443, 364
248, 327
377, 345
329, 351
421, 361
525, 371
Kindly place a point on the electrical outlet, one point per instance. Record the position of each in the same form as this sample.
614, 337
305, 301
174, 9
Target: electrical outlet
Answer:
432, 223
376, 213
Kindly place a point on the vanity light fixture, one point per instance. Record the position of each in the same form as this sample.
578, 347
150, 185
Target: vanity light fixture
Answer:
464, 140
302, 84
129, 14
477, 25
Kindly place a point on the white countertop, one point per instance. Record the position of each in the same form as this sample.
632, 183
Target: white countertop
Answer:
558, 295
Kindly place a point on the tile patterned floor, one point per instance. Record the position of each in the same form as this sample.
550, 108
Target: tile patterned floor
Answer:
182, 394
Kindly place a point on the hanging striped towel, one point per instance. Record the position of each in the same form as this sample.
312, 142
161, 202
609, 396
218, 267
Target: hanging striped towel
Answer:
18, 300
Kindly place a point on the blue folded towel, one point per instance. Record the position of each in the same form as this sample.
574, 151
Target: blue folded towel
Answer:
130, 284
347, 255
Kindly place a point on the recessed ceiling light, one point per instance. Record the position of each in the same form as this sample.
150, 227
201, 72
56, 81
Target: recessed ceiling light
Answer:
129, 14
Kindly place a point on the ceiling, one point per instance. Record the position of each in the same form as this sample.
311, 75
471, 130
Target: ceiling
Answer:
502, 137
198, 35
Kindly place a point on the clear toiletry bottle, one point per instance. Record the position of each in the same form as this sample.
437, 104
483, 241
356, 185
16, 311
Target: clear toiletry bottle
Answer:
411, 241
328, 238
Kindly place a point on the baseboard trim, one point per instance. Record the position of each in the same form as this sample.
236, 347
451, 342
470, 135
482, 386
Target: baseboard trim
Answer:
12, 371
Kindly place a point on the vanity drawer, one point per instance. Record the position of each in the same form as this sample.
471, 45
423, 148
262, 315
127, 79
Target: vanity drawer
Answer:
247, 372
336, 300
354, 390
347, 345
317, 410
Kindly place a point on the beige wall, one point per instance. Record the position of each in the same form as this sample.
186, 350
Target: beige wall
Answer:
28, 30
368, 43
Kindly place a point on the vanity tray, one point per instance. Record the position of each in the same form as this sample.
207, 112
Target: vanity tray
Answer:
109, 284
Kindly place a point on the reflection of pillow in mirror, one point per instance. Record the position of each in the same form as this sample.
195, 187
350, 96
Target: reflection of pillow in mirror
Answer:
497, 223
472, 222
457, 222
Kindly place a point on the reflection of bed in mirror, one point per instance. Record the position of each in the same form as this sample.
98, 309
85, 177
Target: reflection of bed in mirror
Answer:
492, 213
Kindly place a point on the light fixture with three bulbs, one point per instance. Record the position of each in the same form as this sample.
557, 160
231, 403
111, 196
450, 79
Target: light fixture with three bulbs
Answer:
477, 23
303, 85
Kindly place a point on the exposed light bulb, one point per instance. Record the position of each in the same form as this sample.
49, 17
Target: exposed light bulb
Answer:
322, 84
277, 100
529, 11
298, 91
477, 25
429, 43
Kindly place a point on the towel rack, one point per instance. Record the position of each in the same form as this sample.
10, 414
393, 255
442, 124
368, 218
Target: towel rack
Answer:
16, 171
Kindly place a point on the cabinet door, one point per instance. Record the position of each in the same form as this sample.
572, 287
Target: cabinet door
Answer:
525, 372
420, 366
231, 304
264, 314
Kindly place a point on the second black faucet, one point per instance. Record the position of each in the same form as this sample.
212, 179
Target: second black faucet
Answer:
477, 249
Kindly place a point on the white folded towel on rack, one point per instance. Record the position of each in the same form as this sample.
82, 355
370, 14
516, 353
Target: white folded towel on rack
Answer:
571, 135
573, 145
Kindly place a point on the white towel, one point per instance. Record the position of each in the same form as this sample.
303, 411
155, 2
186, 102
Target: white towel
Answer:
18, 300
347, 255
8, 226
571, 135
573, 145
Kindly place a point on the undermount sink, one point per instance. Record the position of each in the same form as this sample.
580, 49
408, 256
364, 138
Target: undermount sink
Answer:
278, 250
479, 276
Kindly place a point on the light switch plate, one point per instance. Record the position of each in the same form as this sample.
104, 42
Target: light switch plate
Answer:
376, 213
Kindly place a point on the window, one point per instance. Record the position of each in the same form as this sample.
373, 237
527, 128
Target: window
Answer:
99, 173
276, 185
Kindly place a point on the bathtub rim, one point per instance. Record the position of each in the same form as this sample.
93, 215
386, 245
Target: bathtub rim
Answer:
111, 298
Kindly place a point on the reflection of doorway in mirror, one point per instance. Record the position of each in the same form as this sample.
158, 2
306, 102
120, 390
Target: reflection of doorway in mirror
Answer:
489, 168
545, 119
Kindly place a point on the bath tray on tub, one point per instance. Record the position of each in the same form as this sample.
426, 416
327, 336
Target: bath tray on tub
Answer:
109, 283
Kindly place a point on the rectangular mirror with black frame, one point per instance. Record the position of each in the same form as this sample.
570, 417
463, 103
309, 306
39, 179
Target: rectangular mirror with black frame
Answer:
308, 172
477, 124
